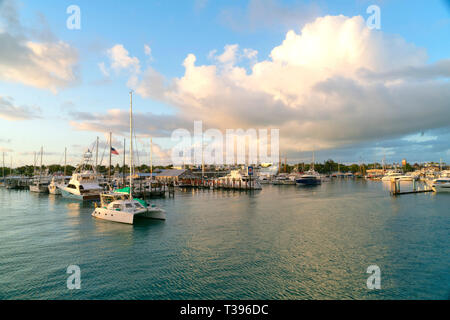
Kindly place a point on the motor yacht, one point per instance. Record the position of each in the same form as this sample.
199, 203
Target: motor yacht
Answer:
310, 178
441, 185
83, 185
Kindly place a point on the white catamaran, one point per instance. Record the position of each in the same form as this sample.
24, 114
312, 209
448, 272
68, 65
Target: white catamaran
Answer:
120, 206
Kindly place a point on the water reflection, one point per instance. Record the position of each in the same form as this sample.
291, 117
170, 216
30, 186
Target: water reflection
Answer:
283, 242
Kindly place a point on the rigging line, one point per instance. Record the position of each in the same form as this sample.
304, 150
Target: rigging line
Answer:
104, 150
137, 151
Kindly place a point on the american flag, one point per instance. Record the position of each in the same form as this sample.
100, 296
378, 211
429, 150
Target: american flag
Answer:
114, 151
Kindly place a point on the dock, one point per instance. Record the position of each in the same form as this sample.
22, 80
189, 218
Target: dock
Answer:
395, 188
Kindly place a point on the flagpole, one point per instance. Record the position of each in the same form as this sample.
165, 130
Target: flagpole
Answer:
110, 155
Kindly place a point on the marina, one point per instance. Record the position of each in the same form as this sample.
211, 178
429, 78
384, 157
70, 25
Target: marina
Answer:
282, 242
225, 159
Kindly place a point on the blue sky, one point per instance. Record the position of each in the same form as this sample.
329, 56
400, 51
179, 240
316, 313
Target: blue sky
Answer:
175, 29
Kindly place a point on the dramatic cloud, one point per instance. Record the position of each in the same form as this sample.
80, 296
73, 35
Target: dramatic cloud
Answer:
333, 84
49, 64
11, 112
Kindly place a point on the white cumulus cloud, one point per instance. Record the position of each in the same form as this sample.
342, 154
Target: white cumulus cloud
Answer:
331, 84
120, 59
47, 64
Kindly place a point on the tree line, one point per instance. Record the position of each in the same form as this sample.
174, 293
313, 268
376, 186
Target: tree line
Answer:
326, 167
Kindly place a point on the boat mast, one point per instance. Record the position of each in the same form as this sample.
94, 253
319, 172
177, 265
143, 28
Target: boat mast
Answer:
40, 169
34, 166
151, 161
124, 168
65, 161
3, 167
96, 157
131, 144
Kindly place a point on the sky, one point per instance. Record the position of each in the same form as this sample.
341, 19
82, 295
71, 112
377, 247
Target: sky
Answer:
312, 69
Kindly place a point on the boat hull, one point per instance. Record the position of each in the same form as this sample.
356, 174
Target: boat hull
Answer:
127, 217
154, 213
308, 182
114, 216
39, 188
54, 190
80, 197
441, 188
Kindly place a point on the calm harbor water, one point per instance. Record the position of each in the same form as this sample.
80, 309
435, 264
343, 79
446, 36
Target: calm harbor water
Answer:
283, 242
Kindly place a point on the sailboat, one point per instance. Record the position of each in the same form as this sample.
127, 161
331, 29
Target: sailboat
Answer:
39, 185
120, 206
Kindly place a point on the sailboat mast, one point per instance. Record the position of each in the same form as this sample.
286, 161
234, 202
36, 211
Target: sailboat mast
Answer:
131, 144
151, 160
65, 161
34, 165
40, 169
96, 157
313, 160
123, 171
3, 167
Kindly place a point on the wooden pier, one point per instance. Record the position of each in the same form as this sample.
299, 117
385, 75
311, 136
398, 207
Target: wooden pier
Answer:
216, 184
395, 188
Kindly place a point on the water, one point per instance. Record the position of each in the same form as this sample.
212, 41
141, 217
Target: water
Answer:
284, 242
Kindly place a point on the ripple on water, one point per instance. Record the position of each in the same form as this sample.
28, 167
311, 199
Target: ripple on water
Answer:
280, 243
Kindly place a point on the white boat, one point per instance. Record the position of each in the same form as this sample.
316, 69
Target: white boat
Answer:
39, 186
310, 178
441, 185
264, 179
61, 181
397, 175
83, 184
238, 180
120, 206
281, 179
